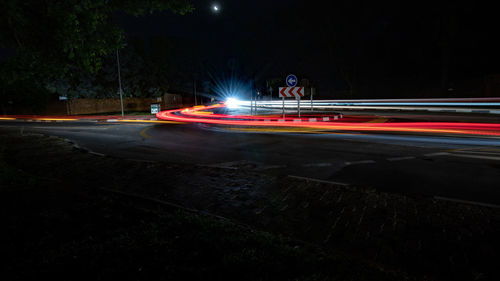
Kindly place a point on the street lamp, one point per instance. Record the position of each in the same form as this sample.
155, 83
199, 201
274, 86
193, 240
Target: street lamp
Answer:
119, 80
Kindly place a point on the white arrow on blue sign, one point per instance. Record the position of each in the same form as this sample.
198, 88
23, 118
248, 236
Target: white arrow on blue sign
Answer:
291, 80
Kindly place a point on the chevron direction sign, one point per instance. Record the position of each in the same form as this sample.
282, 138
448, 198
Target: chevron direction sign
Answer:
291, 92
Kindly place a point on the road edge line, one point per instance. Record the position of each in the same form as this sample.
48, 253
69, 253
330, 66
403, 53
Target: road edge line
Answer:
318, 180
467, 202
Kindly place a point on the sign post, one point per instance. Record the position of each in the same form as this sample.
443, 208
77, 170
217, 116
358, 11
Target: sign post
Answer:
283, 107
312, 91
291, 81
252, 104
298, 105
290, 92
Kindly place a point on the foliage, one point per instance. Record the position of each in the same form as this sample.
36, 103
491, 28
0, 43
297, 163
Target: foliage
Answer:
25, 97
53, 38
144, 73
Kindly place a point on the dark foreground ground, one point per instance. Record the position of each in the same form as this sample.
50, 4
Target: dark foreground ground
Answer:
70, 215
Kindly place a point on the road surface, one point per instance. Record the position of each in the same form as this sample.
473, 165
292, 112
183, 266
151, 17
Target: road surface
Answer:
450, 167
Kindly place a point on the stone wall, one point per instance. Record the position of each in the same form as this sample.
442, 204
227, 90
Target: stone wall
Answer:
97, 106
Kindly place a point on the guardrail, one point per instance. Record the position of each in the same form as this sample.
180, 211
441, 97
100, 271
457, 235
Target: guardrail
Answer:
458, 105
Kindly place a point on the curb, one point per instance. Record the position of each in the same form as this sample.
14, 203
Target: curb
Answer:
76, 146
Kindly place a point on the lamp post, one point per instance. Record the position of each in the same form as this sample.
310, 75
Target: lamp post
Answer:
119, 81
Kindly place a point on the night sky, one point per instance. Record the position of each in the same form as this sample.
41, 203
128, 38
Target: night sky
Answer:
241, 32
216, 31
345, 48
380, 48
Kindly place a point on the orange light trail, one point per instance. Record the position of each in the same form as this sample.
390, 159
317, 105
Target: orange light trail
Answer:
56, 119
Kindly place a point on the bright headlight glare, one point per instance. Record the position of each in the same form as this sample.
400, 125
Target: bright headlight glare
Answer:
232, 103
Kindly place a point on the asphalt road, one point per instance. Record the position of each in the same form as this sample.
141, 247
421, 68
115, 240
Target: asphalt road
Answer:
464, 168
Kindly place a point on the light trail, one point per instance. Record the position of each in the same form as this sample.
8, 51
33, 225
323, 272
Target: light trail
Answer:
306, 102
198, 113
149, 121
57, 119
473, 105
189, 115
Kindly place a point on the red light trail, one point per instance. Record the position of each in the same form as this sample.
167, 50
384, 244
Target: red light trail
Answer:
201, 114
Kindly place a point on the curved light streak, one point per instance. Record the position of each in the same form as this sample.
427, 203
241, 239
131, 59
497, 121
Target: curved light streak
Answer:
190, 115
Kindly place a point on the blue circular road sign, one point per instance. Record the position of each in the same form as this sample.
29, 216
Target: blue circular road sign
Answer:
291, 80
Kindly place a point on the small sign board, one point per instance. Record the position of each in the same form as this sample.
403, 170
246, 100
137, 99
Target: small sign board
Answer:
290, 92
155, 108
291, 80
